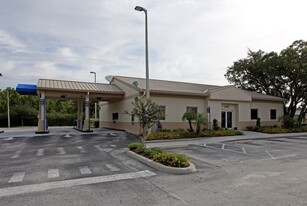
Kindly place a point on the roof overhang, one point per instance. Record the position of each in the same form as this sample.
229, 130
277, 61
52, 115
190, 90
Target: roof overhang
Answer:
74, 90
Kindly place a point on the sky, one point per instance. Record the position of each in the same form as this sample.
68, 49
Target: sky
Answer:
189, 40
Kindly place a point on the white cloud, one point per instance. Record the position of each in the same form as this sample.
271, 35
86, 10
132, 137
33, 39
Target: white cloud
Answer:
189, 40
9, 43
68, 53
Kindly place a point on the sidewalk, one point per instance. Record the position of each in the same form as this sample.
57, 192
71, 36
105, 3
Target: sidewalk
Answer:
246, 136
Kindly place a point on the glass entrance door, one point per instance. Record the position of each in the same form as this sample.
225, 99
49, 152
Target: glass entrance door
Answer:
226, 119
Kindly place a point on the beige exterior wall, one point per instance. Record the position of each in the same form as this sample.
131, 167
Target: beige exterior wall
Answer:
230, 94
127, 89
242, 112
176, 106
264, 108
225, 99
237, 108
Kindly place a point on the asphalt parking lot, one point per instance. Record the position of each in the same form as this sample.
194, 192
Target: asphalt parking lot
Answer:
72, 168
265, 149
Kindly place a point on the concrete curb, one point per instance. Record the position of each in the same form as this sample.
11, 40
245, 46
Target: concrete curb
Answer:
161, 167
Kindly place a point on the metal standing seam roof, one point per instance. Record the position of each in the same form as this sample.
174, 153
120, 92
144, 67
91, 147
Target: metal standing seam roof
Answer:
64, 85
165, 86
174, 87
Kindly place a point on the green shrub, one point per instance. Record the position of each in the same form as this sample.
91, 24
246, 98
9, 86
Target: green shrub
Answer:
273, 130
135, 145
186, 134
172, 159
215, 125
287, 121
160, 155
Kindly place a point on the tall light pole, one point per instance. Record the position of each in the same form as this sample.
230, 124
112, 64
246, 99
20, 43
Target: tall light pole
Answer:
139, 8
95, 102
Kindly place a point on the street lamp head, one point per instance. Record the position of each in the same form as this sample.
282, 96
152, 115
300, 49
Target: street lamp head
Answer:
139, 8
93, 72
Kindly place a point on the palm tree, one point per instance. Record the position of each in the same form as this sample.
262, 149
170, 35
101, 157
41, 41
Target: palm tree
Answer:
200, 120
190, 116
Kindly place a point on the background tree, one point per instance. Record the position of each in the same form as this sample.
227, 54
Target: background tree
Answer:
281, 75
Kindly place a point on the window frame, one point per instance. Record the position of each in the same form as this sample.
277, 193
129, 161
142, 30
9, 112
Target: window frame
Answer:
115, 116
275, 115
253, 118
191, 108
161, 113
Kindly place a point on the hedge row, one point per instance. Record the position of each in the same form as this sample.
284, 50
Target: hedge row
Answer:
160, 155
278, 130
185, 134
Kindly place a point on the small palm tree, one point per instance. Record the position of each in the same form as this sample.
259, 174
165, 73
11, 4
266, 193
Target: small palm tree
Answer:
190, 116
200, 120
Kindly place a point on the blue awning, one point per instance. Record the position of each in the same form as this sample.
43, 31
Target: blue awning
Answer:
28, 89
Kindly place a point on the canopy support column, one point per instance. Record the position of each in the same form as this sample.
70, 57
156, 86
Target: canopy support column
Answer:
87, 123
42, 121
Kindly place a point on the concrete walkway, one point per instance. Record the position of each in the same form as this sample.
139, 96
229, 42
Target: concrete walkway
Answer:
246, 136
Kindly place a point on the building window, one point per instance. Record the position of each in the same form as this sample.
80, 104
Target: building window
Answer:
115, 116
273, 114
161, 114
254, 113
192, 109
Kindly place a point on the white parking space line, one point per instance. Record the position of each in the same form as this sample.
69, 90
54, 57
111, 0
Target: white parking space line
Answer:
74, 182
113, 145
223, 146
17, 177
16, 155
84, 170
40, 152
270, 155
53, 173
243, 150
61, 150
229, 150
112, 168
81, 149
99, 148
107, 150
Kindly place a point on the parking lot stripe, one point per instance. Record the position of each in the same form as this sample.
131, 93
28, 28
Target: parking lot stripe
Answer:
17, 177
84, 170
81, 149
16, 155
270, 155
99, 148
243, 149
40, 152
112, 167
73, 182
223, 146
53, 173
61, 150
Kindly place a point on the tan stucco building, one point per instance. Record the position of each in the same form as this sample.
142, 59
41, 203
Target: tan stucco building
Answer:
232, 107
